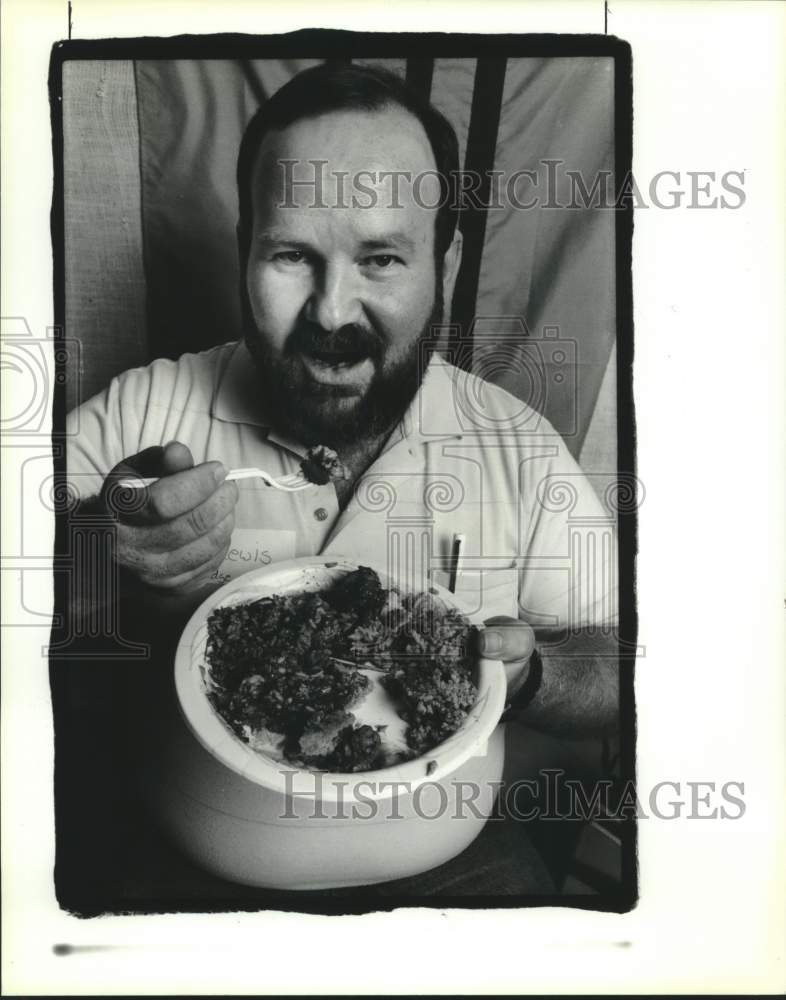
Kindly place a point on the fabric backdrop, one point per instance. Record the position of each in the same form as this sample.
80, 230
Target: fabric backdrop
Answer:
553, 267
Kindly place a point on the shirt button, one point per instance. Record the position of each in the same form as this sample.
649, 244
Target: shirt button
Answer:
321, 514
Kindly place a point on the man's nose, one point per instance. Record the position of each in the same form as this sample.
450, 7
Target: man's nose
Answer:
335, 301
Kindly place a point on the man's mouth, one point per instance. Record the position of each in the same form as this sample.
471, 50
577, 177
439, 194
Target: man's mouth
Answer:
337, 359
345, 368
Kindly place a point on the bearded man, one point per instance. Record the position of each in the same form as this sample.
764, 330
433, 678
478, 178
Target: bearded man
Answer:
349, 249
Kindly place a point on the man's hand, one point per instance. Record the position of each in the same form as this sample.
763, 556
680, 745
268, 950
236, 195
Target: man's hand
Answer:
180, 532
511, 641
578, 696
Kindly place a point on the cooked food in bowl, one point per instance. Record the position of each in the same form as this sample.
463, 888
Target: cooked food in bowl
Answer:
291, 673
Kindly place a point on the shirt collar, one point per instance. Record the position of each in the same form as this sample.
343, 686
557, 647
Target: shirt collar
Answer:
431, 416
236, 398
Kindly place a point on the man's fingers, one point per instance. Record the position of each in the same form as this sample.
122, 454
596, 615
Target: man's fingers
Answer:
168, 497
144, 463
183, 491
181, 485
171, 496
506, 639
168, 570
174, 534
193, 558
158, 460
175, 457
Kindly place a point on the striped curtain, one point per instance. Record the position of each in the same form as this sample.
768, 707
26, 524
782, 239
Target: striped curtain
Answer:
552, 267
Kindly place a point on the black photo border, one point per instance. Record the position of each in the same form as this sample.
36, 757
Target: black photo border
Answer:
341, 44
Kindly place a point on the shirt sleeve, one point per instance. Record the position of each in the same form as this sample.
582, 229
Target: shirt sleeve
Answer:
569, 572
95, 441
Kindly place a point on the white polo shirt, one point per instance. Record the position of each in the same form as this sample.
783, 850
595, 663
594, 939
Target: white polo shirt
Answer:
467, 458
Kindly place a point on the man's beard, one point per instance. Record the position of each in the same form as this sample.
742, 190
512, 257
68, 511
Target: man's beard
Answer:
312, 413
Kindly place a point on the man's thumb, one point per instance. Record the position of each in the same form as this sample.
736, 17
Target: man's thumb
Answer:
175, 457
506, 639
150, 463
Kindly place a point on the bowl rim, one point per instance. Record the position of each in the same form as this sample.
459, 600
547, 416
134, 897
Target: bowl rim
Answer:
213, 733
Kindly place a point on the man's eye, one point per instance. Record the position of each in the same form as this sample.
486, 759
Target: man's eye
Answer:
383, 260
290, 256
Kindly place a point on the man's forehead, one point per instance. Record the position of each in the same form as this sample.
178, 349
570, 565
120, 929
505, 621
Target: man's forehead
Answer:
346, 152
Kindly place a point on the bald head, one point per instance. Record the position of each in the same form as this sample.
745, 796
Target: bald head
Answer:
327, 89
370, 175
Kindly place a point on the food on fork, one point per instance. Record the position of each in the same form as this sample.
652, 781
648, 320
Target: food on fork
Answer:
322, 465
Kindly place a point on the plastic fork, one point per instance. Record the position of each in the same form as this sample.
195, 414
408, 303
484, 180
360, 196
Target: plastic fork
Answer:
289, 484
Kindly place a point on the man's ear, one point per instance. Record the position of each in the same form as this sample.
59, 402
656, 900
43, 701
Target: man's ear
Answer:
450, 268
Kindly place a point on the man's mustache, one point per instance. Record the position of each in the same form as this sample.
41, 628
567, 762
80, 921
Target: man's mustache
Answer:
311, 338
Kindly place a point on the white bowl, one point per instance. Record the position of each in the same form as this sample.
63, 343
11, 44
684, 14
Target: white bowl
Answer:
252, 820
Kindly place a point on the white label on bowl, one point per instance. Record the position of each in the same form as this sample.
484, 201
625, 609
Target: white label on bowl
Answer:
254, 548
